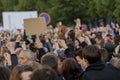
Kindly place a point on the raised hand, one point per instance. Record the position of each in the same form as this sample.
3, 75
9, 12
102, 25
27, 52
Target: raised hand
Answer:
23, 46
7, 57
62, 43
38, 43
11, 47
87, 40
117, 25
78, 22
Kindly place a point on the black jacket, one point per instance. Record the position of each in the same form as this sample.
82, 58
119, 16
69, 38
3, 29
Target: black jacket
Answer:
14, 61
101, 71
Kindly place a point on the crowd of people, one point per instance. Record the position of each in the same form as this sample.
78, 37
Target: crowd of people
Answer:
61, 53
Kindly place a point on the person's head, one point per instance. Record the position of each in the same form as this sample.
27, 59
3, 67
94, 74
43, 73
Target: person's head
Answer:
21, 72
110, 47
35, 65
62, 31
26, 56
70, 44
91, 55
44, 74
70, 69
98, 37
18, 37
115, 60
79, 58
50, 60
117, 39
71, 35
50, 27
104, 55
4, 73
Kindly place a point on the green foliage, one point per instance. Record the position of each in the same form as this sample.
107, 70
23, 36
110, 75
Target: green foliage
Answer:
7, 5
101, 8
1, 9
66, 10
116, 12
25, 5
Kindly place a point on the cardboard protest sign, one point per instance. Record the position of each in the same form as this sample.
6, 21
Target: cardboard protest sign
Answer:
35, 26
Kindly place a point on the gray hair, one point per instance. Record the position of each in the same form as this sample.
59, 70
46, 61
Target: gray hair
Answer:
31, 55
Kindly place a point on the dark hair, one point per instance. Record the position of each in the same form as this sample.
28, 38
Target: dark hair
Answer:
70, 69
91, 53
32, 47
78, 52
104, 55
17, 71
93, 41
99, 35
42, 38
12, 40
44, 74
71, 34
61, 55
69, 52
50, 60
33, 38
70, 44
117, 39
40, 52
110, 47
4, 73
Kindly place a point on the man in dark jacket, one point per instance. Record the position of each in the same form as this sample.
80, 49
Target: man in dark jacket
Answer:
95, 68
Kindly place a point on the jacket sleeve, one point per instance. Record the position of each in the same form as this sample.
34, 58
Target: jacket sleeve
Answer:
14, 60
50, 46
